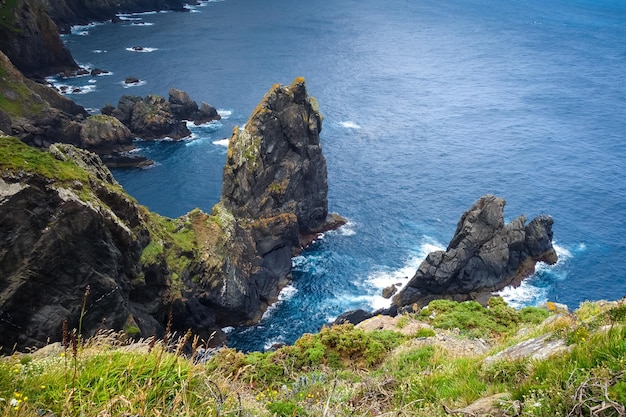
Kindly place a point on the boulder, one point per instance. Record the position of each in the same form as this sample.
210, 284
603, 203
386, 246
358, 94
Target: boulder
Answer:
105, 133
484, 256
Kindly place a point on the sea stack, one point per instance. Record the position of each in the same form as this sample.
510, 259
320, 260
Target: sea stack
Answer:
484, 256
274, 199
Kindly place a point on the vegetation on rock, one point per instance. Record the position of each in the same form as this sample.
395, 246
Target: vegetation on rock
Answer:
341, 371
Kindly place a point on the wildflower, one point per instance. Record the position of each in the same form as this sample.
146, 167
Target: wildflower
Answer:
43, 387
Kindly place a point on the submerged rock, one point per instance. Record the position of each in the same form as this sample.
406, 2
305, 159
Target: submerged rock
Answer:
484, 256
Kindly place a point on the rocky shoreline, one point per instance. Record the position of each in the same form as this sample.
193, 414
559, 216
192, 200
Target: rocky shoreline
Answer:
75, 247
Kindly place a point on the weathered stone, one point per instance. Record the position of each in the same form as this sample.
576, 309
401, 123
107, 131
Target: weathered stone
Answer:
484, 256
104, 133
539, 348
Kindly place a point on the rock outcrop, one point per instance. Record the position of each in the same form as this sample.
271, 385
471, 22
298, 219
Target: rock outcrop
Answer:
40, 116
32, 42
72, 12
484, 256
74, 246
274, 199
152, 117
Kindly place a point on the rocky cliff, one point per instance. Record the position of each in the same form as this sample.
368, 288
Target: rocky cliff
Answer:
29, 29
274, 199
484, 256
31, 40
74, 246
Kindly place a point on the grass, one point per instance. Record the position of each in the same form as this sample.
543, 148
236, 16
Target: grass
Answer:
17, 157
340, 371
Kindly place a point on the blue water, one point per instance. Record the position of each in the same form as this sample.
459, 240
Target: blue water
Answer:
428, 105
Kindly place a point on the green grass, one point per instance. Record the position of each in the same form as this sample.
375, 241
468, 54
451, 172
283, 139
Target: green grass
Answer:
16, 157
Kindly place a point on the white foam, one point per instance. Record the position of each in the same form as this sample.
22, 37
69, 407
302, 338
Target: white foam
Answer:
274, 342
527, 293
126, 85
524, 295
385, 277
142, 50
92, 81
284, 295
349, 124
125, 16
224, 113
228, 329
99, 51
221, 142
81, 89
141, 24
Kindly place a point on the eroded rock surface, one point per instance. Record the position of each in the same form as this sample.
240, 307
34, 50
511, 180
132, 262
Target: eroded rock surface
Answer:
484, 256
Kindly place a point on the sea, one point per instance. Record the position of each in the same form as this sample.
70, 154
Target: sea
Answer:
427, 105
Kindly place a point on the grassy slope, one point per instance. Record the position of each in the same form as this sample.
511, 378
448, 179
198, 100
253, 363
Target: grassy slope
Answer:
341, 371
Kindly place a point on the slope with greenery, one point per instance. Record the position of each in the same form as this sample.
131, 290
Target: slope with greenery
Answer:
342, 371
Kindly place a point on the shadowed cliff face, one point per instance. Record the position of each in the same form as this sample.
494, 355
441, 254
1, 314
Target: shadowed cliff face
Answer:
32, 41
484, 256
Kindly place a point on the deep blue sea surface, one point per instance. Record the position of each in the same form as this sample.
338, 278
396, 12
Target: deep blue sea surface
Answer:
428, 105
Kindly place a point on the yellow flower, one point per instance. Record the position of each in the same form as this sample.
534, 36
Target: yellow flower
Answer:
43, 387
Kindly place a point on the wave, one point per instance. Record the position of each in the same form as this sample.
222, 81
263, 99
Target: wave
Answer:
99, 51
349, 124
385, 277
285, 294
75, 90
224, 113
535, 290
141, 24
141, 49
83, 30
221, 142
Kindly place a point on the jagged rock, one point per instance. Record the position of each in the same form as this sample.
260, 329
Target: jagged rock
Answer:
275, 164
62, 235
484, 256
274, 191
184, 108
181, 105
38, 115
151, 118
131, 80
33, 44
389, 291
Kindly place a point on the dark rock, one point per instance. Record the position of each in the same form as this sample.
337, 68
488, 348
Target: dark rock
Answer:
389, 291
181, 105
96, 71
152, 119
131, 80
274, 192
33, 44
484, 256
354, 317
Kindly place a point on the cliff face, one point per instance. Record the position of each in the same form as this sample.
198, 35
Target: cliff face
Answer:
73, 245
32, 41
72, 12
484, 256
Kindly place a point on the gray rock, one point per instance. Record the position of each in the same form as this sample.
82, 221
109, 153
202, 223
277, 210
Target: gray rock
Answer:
484, 256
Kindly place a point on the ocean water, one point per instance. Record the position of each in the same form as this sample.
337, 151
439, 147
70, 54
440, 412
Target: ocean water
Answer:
428, 105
